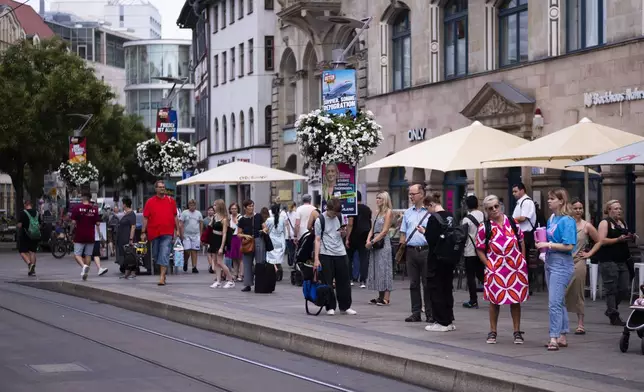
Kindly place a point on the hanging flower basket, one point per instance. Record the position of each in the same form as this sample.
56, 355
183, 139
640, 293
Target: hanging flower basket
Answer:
164, 159
77, 174
325, 138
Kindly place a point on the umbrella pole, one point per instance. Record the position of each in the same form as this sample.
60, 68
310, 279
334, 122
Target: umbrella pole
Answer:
478, 191
586, 196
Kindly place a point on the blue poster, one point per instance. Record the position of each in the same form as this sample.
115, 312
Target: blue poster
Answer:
339, 91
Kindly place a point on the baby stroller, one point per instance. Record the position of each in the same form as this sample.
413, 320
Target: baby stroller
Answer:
635, 323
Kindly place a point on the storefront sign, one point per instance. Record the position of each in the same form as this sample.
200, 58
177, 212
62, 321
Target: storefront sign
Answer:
77, 149
167, 125
339, 91
339, 180
231, 160
608, 97
416, 135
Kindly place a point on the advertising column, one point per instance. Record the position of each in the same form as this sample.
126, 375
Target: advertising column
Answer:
339, 179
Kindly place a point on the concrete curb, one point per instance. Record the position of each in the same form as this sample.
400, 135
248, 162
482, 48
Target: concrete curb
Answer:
434, 373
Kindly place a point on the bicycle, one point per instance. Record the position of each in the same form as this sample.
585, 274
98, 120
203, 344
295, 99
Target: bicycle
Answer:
61, 246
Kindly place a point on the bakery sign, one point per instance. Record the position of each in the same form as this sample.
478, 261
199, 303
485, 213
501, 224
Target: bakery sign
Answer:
608, 97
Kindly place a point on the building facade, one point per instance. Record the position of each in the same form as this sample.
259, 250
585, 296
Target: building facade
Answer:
99, 46
439, 65
138, 18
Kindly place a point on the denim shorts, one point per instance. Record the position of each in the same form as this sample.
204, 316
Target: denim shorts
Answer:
161, 248
83, 249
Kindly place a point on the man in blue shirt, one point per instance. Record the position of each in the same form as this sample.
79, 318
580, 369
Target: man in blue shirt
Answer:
417, 252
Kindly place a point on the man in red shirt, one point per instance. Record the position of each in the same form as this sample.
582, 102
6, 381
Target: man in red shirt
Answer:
160, 224
86, 220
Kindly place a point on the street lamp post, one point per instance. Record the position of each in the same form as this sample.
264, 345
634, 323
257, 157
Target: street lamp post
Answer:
339, 55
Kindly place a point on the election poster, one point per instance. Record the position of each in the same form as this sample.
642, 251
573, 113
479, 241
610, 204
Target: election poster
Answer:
339, 91
339, 180
77, 149
167, 125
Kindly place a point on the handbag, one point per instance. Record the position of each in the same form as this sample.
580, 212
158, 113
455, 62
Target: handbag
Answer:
267, 242
380, 243
248, 243
401, 253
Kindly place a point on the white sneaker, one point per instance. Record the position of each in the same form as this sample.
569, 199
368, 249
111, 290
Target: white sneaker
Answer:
351, 283
215, 285
350, 312
229, 285
436, 328
85, 272
102, 271
452, 327
363, 286
330, 312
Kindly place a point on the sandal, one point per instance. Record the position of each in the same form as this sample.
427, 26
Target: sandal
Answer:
552, 346
580, 331
491, 338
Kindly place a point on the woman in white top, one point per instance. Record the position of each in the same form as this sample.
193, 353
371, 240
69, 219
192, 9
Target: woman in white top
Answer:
277, 233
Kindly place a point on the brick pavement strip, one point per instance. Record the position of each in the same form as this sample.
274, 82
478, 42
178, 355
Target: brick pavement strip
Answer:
375, 340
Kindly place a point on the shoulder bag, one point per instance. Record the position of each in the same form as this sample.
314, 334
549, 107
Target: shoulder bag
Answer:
381, 243
401, 253
248, 243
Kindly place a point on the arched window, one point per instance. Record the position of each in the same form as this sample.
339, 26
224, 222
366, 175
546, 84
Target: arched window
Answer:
224, 144
401, 45
242, 129
233, 127
513, 32
455, 28
268, 122
398, 188
217, 135
251, 126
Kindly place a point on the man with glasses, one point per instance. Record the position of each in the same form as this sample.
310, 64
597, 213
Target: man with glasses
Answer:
160, 224
417, 253
525, 212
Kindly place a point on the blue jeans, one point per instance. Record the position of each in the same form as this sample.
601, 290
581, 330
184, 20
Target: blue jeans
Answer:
559, 270
161, 248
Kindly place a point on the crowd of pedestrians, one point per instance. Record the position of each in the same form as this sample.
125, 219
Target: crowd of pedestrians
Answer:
250, 248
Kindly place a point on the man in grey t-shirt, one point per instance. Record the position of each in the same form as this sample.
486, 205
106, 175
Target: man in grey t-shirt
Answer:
191, 228
331, 255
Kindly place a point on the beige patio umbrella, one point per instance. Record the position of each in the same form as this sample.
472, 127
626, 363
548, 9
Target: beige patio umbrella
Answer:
464, 149
580, 141
238, 173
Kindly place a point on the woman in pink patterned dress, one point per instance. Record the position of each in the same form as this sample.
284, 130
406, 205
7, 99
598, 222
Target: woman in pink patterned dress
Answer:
500, 246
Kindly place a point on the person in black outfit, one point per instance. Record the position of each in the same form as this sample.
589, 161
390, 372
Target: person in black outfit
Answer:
439, 274
357, 233
26, 246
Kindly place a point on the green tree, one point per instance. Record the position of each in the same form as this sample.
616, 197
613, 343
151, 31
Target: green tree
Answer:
40, 86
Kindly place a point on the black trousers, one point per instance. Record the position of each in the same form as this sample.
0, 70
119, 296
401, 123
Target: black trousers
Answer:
417, 272
440, 277
363, 256
528, 238
337, 267
474, 269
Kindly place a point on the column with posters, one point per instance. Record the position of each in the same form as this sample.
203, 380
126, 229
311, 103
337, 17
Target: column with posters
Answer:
339, 97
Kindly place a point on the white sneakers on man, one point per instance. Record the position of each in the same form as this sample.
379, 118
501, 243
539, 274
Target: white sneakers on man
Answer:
102, 271
349, 312
85, 272
440, 328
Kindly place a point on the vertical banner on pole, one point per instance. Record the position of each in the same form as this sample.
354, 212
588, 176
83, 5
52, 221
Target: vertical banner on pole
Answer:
167, 125
77, 149
339, 94
339, 180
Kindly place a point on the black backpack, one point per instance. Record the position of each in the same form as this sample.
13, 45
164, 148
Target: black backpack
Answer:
305, 247
451, 241
488, 231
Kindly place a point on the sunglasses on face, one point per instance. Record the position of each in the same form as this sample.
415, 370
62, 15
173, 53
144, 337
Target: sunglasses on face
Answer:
494, 207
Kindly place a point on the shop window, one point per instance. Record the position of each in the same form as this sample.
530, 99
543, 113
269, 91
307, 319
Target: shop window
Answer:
455, 27
573, 182
401, 44
585, 24
398, 188
513, 32
455, 185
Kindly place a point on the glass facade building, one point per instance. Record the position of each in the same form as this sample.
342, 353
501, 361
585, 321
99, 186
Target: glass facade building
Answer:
146, 60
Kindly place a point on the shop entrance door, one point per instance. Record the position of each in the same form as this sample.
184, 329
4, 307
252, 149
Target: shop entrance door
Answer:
455, 185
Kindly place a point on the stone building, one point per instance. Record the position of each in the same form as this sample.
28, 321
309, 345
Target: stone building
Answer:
438, 65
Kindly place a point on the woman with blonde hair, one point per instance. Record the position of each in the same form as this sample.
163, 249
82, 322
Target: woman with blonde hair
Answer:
613, 259
380, 277
562, 239
218, 238
501, 248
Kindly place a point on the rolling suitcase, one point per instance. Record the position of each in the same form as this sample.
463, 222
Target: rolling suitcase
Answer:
265, 278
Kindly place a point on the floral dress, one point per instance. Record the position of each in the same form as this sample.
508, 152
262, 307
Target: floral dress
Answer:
506, 271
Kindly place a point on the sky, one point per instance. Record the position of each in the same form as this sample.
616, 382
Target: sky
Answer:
169, 10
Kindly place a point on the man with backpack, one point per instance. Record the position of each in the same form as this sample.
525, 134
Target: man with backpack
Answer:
331, 255
357, 233
29, 236
474, 269
525, 212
